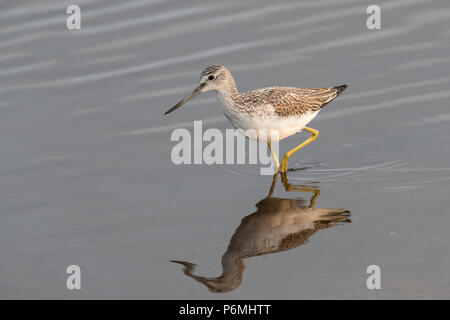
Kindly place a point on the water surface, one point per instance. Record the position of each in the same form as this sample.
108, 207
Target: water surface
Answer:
87, 177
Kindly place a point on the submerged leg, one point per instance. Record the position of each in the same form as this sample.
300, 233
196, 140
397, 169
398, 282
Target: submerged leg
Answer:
274, 183
275, 157
302, 188
314, 135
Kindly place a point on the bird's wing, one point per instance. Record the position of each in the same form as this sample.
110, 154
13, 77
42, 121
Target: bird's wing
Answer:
295, 101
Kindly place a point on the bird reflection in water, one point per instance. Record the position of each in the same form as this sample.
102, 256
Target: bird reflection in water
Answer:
279, 224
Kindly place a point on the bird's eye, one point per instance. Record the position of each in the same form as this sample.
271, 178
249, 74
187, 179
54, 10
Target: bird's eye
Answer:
211, 77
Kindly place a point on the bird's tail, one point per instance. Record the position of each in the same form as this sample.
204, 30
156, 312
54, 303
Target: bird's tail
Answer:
330, 95
339, 89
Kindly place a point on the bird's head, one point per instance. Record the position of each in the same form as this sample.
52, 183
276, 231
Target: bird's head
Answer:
212, 78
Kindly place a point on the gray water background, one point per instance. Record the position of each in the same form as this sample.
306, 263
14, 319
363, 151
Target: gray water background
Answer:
87, 179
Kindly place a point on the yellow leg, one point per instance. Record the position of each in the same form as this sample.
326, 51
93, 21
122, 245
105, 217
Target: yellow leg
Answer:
275, 157
313, 137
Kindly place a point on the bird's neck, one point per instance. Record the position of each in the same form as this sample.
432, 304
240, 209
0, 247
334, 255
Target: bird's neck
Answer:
228, 94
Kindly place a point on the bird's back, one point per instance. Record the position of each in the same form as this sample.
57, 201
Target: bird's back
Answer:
289, 101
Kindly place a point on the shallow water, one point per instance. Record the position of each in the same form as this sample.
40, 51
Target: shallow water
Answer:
87, 177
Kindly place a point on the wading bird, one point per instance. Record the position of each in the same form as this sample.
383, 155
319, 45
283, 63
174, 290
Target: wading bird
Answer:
259, 113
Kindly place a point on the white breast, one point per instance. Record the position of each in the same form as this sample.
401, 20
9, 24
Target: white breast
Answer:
263, 126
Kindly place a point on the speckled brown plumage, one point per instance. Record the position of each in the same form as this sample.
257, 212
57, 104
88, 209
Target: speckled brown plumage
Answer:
288, 101
211, 69
278, 112
283, 101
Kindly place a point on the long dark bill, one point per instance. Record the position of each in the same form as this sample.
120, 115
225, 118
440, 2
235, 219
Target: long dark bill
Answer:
193, 94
